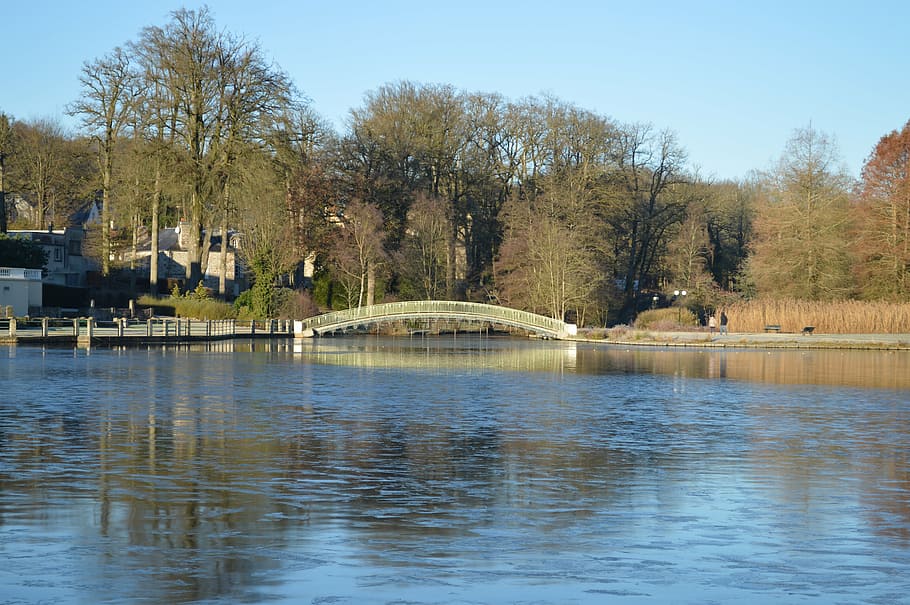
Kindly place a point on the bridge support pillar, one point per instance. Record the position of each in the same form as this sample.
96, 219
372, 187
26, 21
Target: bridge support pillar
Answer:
301, 332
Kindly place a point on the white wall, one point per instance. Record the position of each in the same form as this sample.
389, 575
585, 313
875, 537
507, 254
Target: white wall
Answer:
20, 289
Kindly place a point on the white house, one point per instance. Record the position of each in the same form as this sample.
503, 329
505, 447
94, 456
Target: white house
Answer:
20, 289
66, 266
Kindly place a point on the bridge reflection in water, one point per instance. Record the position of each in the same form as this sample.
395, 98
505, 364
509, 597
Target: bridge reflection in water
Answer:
851, 368
837, 367
441, 353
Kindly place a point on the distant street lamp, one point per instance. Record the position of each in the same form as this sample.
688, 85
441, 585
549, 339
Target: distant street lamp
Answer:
676, 296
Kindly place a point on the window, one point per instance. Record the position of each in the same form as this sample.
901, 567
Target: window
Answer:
58, 254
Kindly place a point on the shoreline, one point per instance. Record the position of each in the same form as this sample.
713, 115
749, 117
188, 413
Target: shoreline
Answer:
753, 340
639, 338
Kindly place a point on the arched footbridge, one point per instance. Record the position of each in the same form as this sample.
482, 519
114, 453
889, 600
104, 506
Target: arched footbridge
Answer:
431, 310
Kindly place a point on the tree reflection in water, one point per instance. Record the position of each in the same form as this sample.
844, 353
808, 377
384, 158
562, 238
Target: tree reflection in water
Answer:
365, 470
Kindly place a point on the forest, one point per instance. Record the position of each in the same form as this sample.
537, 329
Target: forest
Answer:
430, 192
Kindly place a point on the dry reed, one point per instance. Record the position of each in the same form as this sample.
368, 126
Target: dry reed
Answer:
842, 317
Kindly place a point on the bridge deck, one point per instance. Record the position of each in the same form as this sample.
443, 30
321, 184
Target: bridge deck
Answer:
432, 309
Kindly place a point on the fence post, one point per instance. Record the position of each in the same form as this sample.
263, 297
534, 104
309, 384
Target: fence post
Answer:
12, 327
252, 327
44, 330
148, 327
120, 324
76, 327
90, 327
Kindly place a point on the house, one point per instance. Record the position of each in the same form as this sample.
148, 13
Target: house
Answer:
21, 211
66, 275
66, 266
173, 259
20, 291
88, 214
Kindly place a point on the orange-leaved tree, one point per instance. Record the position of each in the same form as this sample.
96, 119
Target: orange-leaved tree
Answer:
882, 242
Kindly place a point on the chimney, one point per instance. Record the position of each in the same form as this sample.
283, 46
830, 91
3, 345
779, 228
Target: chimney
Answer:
184, 235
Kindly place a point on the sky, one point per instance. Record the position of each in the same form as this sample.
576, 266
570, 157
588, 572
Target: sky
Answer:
732, 79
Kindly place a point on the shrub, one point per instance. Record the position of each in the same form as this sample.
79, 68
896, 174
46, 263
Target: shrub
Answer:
668, 319
296, 304
204, 309
189, 306
620, 332
16, 252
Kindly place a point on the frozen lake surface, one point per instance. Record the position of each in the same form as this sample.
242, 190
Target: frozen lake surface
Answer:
453, 470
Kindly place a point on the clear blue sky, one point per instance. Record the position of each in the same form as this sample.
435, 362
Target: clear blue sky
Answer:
732, 79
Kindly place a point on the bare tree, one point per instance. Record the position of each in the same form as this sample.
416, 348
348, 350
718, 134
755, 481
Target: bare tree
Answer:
266, 233
358, 251
547, 262
423, 255
46, 169
157, 116
643, 202
110, 88
690, 250
298, 146
801, 244
224, 94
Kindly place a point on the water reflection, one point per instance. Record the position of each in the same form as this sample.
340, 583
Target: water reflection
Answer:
859, 368
434, 470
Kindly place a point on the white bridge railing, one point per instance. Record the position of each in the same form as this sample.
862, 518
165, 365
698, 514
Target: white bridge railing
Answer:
89, 328
432, 309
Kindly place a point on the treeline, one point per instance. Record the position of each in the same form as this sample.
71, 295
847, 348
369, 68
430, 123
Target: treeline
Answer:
434, 192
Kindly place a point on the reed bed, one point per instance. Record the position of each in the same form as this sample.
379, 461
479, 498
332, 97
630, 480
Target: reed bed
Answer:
842, 317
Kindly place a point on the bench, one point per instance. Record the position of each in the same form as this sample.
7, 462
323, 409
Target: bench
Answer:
772, 328
808, 330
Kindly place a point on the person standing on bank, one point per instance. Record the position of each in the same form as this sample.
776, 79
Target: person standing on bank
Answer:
723, 322
712, 324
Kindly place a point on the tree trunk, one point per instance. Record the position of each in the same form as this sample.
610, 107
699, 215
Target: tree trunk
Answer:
194, 260
371, 284
39, 211
3, 224
450, 261
153, 258
225, 241
107, 167
136, 222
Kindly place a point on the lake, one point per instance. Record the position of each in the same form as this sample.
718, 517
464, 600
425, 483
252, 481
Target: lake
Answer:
453, 470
